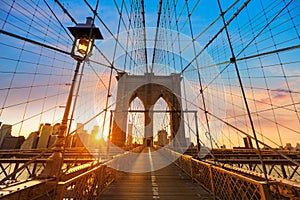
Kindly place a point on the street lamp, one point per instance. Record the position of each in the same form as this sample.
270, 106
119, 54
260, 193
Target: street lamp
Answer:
84, 37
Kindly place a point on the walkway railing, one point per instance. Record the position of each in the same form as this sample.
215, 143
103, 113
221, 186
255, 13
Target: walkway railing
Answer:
91, 183
222, 183
86, 181
87, 185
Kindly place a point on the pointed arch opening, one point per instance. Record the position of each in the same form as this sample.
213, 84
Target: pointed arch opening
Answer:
161, 122
135, 123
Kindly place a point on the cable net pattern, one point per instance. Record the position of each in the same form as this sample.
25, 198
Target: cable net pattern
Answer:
238, 60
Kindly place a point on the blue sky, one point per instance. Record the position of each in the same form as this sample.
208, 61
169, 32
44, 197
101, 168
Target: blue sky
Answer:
43, 75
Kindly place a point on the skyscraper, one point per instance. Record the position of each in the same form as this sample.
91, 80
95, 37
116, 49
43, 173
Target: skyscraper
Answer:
45, 132
5, 131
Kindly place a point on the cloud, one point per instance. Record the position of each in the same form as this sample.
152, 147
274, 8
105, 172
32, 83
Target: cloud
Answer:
276, 97
280, 94
263, 101
290, 83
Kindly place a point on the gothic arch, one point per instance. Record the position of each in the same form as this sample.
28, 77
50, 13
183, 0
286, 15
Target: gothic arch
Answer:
148, 88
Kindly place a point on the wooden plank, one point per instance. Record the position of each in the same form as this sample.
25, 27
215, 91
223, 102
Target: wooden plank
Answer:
167, 183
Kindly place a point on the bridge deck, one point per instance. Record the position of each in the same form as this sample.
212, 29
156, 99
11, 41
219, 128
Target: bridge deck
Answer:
167, 183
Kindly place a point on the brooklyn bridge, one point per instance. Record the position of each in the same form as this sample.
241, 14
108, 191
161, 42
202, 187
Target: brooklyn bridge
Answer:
140, 99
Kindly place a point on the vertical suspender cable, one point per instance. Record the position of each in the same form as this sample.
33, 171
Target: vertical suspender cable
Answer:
110, 75
144, 33
156, 34
199, 78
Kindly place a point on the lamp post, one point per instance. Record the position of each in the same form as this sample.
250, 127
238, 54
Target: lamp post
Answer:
84, 37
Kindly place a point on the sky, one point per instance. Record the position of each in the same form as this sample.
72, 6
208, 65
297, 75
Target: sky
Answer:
35, 80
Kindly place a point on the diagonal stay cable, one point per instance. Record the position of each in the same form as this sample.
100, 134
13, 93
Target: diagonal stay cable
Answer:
106, 27
263, 29
33, 42
216, 35
250, 57
207, 28
243, 132
275, 51
58, 20
65, 11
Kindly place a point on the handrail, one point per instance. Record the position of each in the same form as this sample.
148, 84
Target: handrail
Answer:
225, 184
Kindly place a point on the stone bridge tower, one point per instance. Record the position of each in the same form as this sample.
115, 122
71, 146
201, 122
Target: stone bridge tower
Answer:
148, 88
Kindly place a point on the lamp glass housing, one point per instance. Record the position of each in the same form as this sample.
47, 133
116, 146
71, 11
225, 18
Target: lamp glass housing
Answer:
84, 46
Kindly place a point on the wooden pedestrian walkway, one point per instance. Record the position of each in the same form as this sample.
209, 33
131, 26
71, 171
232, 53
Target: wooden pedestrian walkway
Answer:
169, 183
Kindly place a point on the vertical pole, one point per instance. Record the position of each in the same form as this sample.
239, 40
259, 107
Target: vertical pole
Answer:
212, 181
197, 132
265, 191
75, 100
109, 134
191, 168
54, 162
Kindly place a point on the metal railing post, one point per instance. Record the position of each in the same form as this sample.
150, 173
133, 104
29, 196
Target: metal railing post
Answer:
191, 169
212, 182
265, 191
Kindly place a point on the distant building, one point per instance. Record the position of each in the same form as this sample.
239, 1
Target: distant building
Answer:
280, 148
92, 137
288, 146
51, 141
31, 141
45, 132
7, 141
80, 128
5, 131
248, 143
81, 137
129, 135
56, 128
95, 131
11, 142
76, 141
162, 138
